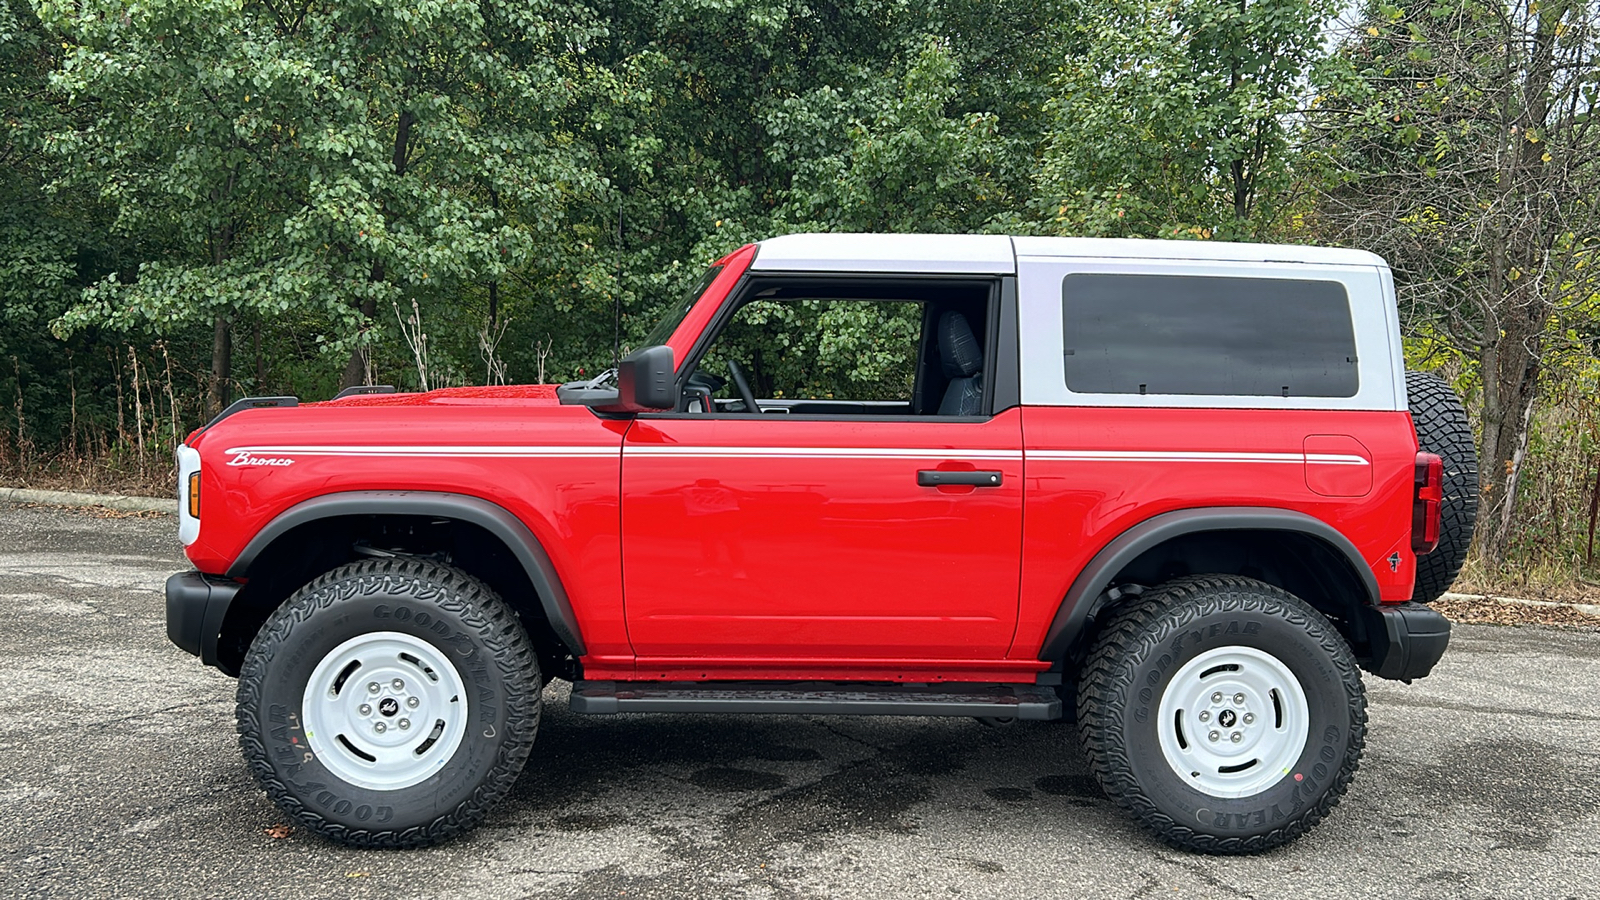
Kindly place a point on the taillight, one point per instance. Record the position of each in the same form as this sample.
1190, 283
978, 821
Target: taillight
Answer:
1425, 507
194, 494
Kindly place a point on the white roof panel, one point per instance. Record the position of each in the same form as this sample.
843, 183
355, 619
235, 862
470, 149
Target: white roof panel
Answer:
1138, 248
993, 254
969, 254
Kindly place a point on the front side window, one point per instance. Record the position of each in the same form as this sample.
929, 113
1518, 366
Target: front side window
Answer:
822, 349
847, 347
1211, 335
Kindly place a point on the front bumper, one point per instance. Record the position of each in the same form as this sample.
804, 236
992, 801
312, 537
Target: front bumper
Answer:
197, 604
1405, 639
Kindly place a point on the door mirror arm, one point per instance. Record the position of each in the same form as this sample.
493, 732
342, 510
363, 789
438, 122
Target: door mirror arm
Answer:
645, 380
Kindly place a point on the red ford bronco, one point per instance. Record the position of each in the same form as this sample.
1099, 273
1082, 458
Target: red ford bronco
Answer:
1171, 490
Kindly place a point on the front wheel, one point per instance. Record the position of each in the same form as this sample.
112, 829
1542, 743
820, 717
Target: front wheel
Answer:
1227, 715
389, 703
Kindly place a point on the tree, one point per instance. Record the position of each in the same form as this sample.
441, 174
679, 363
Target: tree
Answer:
1462, 142
340, 157
1177, 117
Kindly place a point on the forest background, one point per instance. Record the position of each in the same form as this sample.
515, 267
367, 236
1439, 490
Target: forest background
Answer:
208, 199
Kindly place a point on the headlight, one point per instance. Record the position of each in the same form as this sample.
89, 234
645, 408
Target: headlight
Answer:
188, 494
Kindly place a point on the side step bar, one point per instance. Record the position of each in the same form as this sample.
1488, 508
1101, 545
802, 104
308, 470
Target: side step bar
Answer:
1021, 701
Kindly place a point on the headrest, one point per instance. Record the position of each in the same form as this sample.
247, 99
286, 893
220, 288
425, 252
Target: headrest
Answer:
959, 353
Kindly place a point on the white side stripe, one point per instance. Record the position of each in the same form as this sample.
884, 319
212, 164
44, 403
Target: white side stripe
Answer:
421, 450
676, 450
1207, 456
820, 452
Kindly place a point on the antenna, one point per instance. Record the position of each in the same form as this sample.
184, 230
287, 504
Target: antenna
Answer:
616, 295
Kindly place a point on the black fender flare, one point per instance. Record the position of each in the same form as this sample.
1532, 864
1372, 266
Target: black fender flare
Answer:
491, 517
1095, 578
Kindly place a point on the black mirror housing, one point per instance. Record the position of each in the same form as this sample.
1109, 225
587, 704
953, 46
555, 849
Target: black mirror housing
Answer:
646, 381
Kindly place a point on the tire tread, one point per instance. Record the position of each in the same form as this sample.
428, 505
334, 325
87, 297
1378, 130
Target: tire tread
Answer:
449, 588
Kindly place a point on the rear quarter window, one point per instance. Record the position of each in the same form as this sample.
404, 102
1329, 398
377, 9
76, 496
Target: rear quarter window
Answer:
1215, 335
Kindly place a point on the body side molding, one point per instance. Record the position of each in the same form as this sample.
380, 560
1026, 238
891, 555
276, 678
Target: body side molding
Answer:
1126, 547
475, 510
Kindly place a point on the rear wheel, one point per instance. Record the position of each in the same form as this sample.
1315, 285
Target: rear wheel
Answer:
1444, 430
1226, 715
389, 703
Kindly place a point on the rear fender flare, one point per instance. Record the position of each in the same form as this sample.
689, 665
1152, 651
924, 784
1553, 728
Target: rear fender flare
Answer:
1115, 556
492, 517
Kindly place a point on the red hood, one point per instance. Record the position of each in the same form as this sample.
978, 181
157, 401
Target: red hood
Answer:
353, 417
459, 396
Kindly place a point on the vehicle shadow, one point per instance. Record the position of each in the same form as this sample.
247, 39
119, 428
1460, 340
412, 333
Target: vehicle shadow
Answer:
791, 778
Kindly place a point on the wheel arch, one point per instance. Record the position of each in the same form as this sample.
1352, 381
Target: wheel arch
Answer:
1274, 545
316, 535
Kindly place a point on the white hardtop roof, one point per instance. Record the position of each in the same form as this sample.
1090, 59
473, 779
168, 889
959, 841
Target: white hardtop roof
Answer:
991, 254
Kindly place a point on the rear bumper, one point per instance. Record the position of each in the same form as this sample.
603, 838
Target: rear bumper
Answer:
1406, 640
197, 604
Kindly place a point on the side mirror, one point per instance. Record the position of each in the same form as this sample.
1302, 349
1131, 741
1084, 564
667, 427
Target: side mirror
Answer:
646, 380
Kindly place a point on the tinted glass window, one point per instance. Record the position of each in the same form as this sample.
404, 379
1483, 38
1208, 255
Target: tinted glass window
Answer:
1178, 334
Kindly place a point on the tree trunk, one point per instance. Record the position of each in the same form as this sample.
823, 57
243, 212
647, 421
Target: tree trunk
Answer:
355, 370
221, 366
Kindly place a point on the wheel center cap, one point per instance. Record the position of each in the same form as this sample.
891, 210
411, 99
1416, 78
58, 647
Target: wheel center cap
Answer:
1226, 718
389, 706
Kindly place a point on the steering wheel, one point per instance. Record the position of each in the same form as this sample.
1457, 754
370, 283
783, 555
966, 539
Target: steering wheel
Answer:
743, 384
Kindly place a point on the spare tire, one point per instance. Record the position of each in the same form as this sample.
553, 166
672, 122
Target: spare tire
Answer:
1444, 430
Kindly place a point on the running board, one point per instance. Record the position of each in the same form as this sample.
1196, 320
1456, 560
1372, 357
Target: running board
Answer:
1021, 701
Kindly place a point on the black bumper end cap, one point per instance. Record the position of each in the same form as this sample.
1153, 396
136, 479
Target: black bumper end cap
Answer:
196, 606
1407, 640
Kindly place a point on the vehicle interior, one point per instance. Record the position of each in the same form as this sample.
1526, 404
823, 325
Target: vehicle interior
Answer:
831, 347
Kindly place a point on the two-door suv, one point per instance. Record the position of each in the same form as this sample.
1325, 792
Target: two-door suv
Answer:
1171, 490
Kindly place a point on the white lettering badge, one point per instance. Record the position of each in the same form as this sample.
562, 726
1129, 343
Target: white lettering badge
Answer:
243, 458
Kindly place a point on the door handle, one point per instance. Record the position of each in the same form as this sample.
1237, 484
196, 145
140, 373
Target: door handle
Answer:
939, 477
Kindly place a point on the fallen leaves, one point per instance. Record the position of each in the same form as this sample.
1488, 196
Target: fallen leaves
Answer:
1488, 611
279, 832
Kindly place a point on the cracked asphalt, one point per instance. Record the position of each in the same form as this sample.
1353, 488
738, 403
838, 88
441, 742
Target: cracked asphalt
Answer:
121, 777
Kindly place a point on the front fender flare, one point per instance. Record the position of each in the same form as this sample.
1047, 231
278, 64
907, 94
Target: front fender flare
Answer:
492, 517
1096, 577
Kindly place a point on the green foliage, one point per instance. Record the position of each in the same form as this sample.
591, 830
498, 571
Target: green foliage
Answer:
1178, 118
338, 158
822, 349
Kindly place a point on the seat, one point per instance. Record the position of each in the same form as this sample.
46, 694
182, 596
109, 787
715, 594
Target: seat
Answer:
961, 359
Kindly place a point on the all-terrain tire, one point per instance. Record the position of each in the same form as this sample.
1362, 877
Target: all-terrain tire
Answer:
333, 681
1444, 430
1208, 637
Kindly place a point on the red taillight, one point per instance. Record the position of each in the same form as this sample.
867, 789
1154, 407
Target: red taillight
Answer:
1425, 508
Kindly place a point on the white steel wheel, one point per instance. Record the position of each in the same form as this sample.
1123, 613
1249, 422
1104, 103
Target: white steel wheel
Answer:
385, 710
1233, 721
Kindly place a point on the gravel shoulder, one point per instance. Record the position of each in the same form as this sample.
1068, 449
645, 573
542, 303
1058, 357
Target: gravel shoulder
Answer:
123, 778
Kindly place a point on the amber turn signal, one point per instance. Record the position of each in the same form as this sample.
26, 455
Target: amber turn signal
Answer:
194, 494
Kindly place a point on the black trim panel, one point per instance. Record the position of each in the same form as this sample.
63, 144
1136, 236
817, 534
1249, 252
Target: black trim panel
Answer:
490, 516
1007, 368
239, 406
1127, 547
1021, 701
1406, 639
197, 604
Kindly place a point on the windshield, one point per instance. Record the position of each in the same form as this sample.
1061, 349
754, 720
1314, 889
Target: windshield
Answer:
677, 310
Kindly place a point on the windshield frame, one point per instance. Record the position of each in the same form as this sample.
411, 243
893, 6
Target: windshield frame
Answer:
677, 312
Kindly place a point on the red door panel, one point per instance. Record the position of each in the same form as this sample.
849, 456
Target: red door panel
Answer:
783, 538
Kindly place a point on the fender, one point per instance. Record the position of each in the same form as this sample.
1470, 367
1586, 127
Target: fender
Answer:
490, 516
1126, 547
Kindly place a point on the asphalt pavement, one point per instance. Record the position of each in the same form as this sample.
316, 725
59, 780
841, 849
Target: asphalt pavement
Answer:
120, 777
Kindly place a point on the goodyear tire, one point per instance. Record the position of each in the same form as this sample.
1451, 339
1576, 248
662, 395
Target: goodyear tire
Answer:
1444, 430
1226, 715
389, 703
